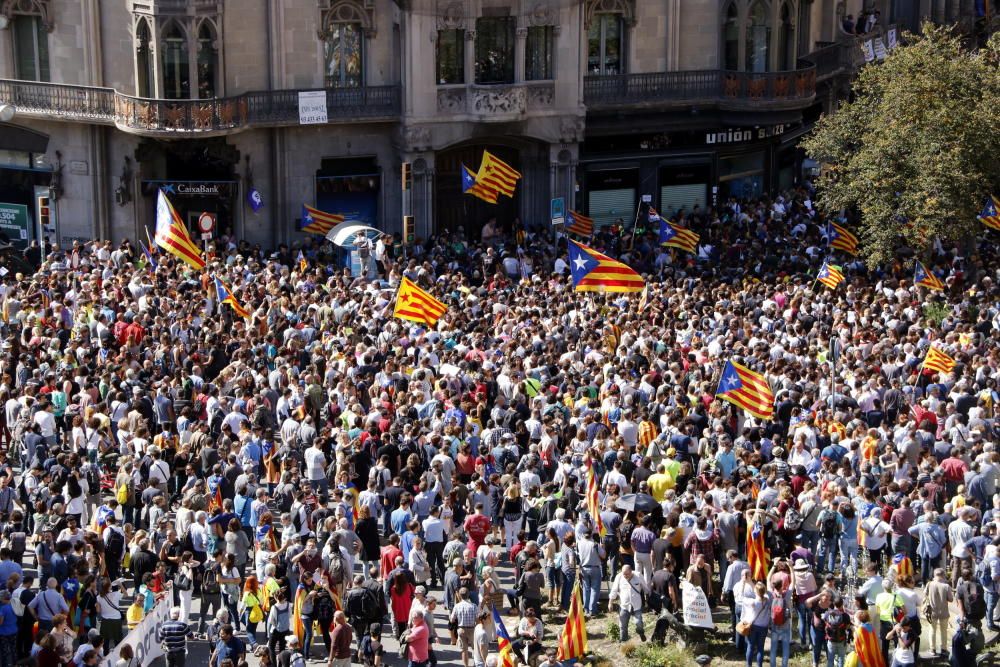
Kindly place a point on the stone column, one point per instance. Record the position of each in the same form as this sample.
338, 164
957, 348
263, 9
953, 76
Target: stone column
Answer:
470, 56
520, 42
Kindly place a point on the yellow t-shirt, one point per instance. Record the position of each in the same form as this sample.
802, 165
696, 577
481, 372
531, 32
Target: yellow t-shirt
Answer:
659, 485
133, 615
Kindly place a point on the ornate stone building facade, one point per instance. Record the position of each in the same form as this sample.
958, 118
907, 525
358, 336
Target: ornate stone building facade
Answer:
598, 101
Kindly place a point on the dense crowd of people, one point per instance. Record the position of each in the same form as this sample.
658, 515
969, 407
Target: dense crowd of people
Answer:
313, 474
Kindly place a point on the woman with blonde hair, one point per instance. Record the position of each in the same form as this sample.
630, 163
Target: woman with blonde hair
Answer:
513, 515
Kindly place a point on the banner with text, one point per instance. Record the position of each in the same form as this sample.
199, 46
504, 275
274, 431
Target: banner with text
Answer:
697, 613
143, 638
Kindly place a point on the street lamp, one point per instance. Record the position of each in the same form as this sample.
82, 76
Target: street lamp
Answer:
7, 112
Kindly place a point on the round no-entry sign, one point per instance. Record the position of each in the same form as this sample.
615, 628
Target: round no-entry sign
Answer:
206, 222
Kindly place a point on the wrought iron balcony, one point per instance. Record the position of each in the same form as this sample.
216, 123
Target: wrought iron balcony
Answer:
726, 89
56, 101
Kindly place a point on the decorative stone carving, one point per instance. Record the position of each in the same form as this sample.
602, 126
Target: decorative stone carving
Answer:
451, 100
624, 7
541, 96
347, 11
498, 100
416, 138
450, 14
571, 130
39, 8
541, 14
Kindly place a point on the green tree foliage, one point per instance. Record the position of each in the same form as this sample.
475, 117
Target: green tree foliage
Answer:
918, 149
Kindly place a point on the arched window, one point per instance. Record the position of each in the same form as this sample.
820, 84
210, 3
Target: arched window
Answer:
176, 64
145, 75
758, 37
731, 38
208, 61
786, 39
343, 50
605, 42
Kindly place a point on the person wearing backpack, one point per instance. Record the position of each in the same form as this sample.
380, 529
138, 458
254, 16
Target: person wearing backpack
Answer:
831, 525
838, 632
781, 620
279, 623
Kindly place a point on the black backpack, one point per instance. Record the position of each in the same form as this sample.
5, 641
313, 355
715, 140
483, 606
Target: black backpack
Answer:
210, 582
116, 543
829, 526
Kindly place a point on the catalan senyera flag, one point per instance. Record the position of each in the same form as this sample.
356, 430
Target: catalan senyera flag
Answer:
989, 215
579, 224
298, 626
746, 389
644, 299
592, 271
315, 221
504, 646
675, 236
593, 499
758, 557
497, 174
172, 235
225, 295
924, 278
416, 305
471, 186
830, 275
573, 640
841, 238
938, 360
867, 647
903, 565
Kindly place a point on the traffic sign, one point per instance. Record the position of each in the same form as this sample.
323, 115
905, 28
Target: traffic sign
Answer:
206, 223
557, 211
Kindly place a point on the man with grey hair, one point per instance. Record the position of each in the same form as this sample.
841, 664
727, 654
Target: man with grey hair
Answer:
47, 604
172, 635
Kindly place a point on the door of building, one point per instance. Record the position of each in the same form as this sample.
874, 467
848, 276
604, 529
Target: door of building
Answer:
454, 210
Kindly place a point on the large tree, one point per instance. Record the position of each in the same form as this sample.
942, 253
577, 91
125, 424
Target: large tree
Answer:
918, 148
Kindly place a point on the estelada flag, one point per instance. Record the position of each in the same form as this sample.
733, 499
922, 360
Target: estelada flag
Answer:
758, 557
416, 305
504, 646
579, 224
315, 221
225, 295
842, 238
497, 174
471, 186
172, 235
989, 215
592, 271
573, 640
867, 647
746, 389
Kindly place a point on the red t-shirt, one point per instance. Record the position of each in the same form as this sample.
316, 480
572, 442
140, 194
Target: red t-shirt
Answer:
477, 527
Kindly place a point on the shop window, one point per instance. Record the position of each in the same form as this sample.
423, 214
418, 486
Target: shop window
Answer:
538, 53
758, 38
343, 49
145, 75
208, 61
450, 56
31, 48
786, 39
731, 39
495, 49
176, 67
604, 44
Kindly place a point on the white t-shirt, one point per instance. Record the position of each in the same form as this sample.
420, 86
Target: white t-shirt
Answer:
315, 463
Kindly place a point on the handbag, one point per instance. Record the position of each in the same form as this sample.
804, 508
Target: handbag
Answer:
744, 628
182, 582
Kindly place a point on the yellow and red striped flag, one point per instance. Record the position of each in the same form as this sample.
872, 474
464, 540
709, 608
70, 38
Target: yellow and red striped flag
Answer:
867, 647
842, 238
903, 565
573, 640
746, 389
504, 645
172, 235
416, 305
594, 499
579, 224
592, 271
298, 625
939, 361
758, 557
315, 221
497, 174
471, 186
225, 295
989, 216
924, 278
830, 275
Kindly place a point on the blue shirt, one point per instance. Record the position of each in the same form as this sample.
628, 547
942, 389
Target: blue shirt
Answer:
399, 518
727, 462
8, 621
9, 567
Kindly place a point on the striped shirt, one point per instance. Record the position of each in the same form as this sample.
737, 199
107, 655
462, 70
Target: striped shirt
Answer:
173, 636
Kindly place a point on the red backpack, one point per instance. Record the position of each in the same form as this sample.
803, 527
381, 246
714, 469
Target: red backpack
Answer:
778, 612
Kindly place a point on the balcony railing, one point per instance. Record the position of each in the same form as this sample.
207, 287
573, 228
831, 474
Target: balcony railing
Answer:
725, 88
277, 107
